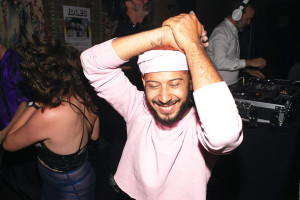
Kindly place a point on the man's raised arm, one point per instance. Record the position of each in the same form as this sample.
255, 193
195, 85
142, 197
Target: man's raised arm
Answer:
214, 102
133, 45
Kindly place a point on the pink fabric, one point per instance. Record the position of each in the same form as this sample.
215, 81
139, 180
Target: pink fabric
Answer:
162, 61
160, 163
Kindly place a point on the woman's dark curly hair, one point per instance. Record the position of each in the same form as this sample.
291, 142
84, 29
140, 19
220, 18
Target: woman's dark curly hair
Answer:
54, 72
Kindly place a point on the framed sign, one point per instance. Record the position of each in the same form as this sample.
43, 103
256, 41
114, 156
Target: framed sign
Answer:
77, 27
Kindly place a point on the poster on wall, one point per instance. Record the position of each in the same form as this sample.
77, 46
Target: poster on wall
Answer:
77, 27
19, 19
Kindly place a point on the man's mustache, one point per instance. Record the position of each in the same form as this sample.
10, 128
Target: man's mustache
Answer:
170, 102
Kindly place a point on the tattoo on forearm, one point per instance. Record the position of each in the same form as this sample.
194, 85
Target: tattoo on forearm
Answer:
152, 43
159, 42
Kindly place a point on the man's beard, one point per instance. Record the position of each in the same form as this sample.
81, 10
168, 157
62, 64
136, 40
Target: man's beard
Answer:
240, 27
141, 11
170, 121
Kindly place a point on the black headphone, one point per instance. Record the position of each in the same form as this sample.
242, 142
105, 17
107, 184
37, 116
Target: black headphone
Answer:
238, 13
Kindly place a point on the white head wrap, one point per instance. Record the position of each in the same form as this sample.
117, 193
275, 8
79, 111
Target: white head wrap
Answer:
162, 61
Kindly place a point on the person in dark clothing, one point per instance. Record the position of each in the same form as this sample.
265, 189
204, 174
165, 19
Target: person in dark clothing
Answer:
131, 21
18, 169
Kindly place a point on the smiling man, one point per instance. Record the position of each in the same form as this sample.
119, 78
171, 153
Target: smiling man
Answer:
168, 88
173, 139
171, 105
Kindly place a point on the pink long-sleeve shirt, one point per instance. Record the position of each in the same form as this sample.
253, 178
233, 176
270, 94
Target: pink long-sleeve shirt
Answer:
161, 163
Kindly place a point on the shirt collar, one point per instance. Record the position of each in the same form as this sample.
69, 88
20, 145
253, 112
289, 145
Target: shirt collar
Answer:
231, 26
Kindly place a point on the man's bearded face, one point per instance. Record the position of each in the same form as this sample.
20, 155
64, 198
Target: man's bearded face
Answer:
141, 7
168, 95
246, 19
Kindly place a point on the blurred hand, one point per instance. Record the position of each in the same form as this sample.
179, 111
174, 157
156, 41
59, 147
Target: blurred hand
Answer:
256, 73
256, 62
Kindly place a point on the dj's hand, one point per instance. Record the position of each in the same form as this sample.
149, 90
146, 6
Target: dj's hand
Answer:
256, 62
256, 73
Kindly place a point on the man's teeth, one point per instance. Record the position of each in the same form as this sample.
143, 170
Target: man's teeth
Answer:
166, 108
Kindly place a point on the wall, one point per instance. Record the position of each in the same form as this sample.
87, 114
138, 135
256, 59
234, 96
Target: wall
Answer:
19, 19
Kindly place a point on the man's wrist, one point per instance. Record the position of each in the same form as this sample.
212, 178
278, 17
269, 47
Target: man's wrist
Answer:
194, 47
247, 62
164, 37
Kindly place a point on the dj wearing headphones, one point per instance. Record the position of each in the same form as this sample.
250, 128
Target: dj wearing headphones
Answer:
224, 49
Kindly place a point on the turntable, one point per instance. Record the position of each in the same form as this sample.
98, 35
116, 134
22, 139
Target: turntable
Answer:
266, 101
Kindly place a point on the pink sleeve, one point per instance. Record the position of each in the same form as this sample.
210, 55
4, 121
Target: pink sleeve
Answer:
220, 120
101, 67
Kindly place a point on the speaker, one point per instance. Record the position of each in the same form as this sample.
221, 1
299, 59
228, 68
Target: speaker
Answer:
238, 13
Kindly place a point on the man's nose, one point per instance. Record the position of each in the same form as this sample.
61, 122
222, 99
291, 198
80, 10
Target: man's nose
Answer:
165, 95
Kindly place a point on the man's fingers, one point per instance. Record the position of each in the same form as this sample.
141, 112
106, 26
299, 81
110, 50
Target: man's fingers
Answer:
204, 39
192, 13
206, 44
186, 29
260, 75
264, 63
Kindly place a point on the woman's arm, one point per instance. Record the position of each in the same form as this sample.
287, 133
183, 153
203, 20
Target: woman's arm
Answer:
18, 113
28, 129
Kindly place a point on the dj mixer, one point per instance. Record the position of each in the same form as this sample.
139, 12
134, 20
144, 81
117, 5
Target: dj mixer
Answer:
274, 101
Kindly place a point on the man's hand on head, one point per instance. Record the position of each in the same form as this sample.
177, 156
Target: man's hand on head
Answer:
186, 29
203, 37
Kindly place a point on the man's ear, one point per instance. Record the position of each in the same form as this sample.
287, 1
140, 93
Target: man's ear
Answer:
143, 79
